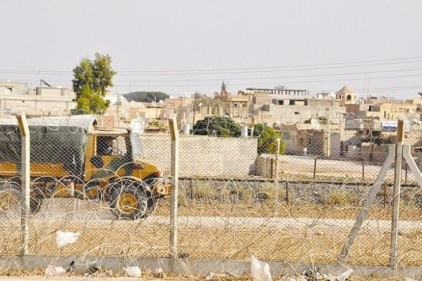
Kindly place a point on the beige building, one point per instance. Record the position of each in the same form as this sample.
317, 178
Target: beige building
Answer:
395, 109
317, 141
16, 96
290, 106
121, 111
346, 95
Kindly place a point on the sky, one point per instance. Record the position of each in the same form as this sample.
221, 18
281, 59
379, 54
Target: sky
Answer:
187, 46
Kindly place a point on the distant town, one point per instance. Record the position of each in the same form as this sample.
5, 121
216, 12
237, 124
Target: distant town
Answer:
336, 124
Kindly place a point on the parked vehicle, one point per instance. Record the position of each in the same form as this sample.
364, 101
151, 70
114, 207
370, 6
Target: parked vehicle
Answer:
73, 157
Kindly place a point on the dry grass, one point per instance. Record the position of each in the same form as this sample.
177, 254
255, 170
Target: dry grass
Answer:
37, 275
315, 242
306, 244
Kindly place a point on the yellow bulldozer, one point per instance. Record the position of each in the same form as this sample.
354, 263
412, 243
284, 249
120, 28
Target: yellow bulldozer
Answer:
73, 157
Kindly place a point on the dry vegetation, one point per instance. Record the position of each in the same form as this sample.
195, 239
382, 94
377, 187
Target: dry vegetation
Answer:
241, 224
314, 242
37, 275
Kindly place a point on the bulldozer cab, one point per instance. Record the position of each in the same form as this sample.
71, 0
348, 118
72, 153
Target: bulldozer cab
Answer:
107, 154
114, 154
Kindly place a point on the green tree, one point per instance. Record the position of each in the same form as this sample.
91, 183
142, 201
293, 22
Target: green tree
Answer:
141, 96
267, 139
217, 125
90, 83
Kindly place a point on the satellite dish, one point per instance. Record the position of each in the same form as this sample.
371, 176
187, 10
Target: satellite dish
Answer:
420, 93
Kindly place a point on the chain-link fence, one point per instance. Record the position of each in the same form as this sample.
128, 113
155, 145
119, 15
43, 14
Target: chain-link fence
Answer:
233, 201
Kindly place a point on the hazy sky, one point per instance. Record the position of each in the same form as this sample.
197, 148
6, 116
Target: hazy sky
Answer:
184, 46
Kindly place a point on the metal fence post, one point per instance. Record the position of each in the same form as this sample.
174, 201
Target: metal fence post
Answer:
315, 159
385, 194
396, 195
365, 209
405, 173
175, 188
25, 177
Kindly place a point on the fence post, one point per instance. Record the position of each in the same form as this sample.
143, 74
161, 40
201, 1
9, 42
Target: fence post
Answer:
25, 177
365, 209
405, 173
191, 189
396, 195
385, 194
175, 189
277, 158
363, 170
315, 159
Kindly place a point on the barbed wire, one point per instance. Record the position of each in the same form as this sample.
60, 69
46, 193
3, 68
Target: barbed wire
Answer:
301, 213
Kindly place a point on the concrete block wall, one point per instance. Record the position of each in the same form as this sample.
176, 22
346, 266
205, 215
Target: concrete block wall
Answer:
264, 165
203, 155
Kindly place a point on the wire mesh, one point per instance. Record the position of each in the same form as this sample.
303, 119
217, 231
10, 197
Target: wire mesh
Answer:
234, 200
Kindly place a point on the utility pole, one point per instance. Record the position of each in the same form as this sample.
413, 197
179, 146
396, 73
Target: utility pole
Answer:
196, 95
118, 103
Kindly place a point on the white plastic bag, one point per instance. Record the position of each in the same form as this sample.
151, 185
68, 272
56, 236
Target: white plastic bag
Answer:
133, 271
63, 238
260, 270
54, 271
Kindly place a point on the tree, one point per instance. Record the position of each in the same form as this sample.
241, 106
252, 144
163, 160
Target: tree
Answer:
90, 83
223, 87
141, 96
217, 125
267, 139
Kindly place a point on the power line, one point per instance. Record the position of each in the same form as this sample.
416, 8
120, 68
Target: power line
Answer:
244, 70
249, 75
291, 67
282, 77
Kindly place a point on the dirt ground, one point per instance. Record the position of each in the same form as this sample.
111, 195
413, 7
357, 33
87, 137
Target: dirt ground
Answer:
149, 276
174, 278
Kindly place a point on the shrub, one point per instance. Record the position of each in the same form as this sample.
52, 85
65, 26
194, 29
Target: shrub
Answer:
267, 139
340, 198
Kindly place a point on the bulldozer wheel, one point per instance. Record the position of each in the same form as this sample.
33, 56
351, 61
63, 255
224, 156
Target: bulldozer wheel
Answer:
10, 196
128, 200
35, 204
152, 205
